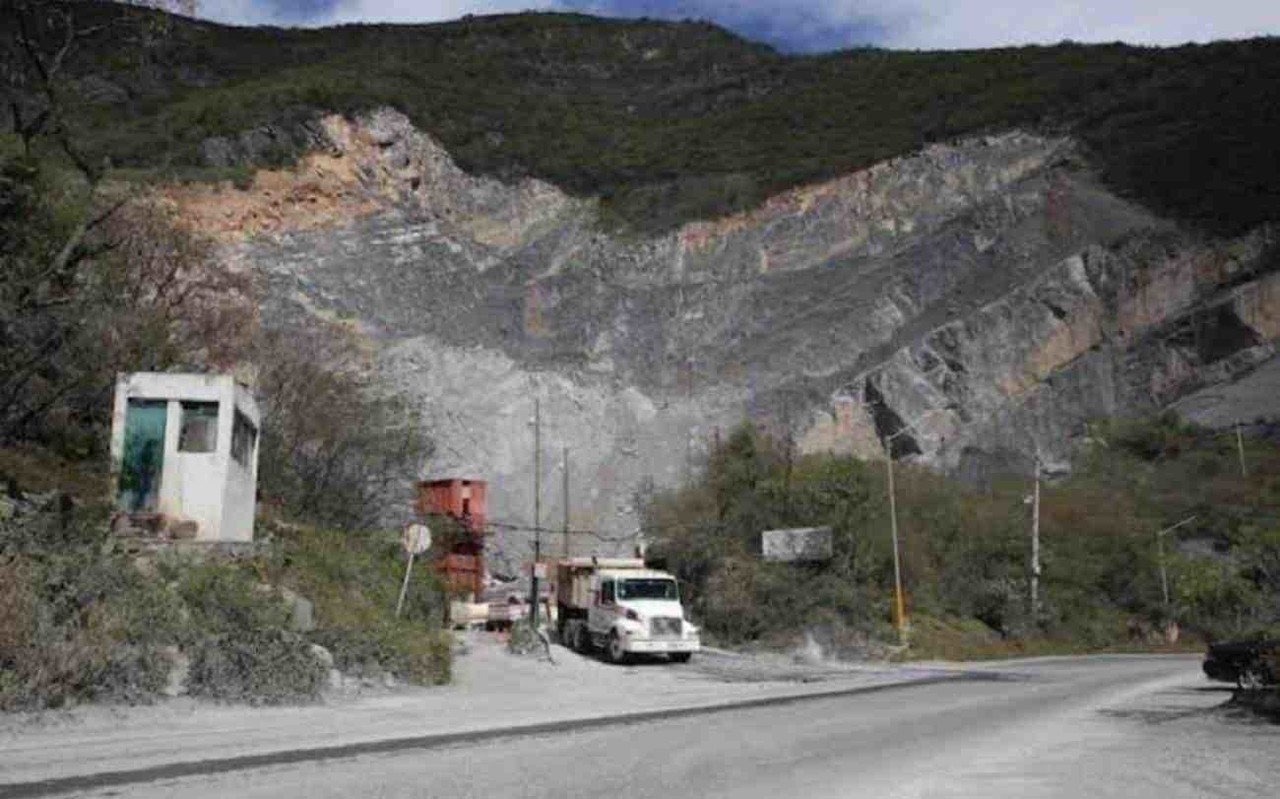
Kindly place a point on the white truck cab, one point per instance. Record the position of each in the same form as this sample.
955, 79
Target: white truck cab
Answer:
623, 608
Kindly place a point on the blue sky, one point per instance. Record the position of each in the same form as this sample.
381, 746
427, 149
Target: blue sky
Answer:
818, 25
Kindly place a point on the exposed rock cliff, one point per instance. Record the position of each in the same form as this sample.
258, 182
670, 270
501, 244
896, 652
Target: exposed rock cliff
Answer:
987, 291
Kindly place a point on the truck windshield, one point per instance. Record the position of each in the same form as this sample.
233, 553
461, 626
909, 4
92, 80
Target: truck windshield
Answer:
647, 589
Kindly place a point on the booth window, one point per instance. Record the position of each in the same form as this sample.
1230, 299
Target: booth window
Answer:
243, 438
199, 431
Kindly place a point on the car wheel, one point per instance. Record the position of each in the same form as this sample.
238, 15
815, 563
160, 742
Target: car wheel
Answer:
1251, 678
681, 657
614, 650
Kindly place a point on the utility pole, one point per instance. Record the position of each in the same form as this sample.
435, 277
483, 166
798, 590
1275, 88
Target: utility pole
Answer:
1035, 544
565, 549
1240, 449
886, 442
899, 612
1164, 573
536, 599
899, 598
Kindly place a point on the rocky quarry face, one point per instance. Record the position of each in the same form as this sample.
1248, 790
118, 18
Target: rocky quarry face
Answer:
989, 293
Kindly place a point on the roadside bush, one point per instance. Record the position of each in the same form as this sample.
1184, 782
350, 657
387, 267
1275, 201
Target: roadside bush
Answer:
268, 665
224, 600
239, 640
354, 580
54, 654
404, 649
78, 622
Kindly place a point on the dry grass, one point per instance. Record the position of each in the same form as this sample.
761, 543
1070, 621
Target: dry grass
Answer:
36, 470
969, 639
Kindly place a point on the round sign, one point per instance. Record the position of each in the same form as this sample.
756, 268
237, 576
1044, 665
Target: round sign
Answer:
417, 539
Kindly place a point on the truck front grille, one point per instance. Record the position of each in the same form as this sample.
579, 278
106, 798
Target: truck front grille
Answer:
663, 627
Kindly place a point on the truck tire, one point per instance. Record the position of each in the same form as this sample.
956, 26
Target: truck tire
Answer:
680, 657
581, 638
613, 650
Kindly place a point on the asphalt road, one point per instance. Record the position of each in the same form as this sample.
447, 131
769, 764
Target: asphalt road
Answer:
1087, 727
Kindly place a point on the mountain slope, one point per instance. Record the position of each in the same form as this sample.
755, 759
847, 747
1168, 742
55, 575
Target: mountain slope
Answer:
660, 229
990, 291
671, 122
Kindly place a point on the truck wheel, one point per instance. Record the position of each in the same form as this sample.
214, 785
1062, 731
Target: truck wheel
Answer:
680, 657
581, 639
614, 651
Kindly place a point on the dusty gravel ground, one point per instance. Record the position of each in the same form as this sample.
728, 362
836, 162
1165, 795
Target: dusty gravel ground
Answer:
1114, 727
492, 689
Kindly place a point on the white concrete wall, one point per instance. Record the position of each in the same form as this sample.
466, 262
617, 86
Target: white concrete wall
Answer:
209, 488
240, 495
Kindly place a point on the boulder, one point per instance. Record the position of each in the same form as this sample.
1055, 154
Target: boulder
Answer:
184, 530
322, 655
179, 669
302, 615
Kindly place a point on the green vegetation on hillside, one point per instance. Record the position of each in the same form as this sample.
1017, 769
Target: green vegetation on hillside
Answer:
668, 122
965, 550
83, 618
100, 278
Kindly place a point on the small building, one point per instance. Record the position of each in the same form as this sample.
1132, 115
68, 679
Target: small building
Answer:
460, 498
185, 452
460, 563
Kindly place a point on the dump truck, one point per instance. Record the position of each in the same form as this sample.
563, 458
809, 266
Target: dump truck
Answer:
618, 606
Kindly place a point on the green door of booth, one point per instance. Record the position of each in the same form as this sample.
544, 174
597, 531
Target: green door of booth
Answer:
143, 461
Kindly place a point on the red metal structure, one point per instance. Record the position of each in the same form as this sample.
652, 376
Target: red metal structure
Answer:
461, 565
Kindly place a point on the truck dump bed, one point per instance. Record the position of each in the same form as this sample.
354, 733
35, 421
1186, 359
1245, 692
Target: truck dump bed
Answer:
573, 578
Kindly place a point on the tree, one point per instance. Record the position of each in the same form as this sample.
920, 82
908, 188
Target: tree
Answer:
96, 277
337, 447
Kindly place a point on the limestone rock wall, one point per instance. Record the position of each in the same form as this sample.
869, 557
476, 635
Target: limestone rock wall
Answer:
987, 291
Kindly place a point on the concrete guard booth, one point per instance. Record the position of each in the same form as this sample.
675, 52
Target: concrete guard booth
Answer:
184, 448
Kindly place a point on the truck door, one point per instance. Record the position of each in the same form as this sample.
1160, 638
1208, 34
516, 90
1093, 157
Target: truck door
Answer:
603, 603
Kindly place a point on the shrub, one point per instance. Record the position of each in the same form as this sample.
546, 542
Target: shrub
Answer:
240, 644
354, 579
269, 665
417, 656
77, 621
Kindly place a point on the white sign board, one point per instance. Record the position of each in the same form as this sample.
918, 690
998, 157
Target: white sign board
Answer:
799, 544
540, 571
417, 539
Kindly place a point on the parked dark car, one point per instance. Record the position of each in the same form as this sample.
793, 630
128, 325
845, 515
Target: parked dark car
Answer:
1248, 662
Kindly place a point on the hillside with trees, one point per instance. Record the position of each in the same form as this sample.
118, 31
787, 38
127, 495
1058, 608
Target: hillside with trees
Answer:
100, 277
674, 121
966, 550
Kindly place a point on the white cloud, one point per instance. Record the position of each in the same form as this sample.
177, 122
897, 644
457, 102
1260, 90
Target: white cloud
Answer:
425, 10
281, 12
924, 24
949, 24
236, 12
